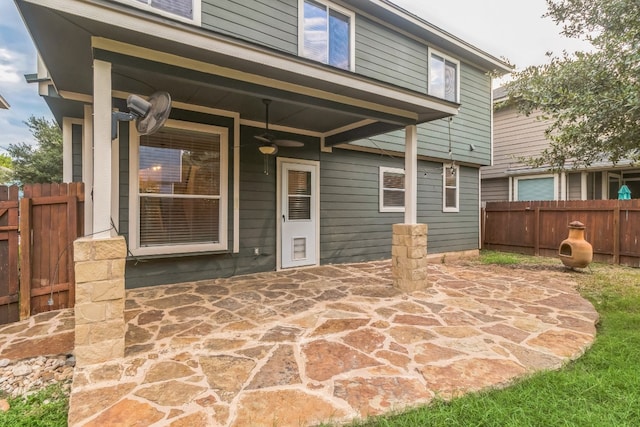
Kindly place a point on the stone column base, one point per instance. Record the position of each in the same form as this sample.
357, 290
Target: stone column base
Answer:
409, 257
99, 308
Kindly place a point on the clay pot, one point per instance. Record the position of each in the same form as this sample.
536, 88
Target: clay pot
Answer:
575, 252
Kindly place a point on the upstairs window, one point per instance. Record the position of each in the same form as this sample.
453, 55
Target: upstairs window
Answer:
450, 188
391, 190
183, 10
326, 34
444, 76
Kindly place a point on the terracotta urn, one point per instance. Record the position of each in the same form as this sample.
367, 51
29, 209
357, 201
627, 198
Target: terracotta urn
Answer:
575, 252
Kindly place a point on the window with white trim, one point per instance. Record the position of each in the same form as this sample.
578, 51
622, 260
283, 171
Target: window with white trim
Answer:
391, 189
540, 187
450, 188
326, 33
179, 190
444, 76
183, 10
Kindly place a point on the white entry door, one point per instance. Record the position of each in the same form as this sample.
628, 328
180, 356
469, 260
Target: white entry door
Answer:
298, 213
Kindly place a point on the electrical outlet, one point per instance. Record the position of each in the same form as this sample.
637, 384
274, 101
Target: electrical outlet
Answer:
256, 251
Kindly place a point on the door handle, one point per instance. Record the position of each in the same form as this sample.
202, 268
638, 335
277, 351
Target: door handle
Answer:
283, 218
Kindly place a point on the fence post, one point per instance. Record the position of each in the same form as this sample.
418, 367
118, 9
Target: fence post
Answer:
72, 235
536, 236
616, 234
25, 258
483, 213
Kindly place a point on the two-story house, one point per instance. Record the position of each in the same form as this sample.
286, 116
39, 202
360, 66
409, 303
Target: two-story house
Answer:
374, 117
517, 137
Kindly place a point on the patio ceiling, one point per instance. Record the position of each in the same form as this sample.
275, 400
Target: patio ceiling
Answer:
204, 68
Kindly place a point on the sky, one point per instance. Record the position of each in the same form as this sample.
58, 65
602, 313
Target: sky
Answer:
507, 29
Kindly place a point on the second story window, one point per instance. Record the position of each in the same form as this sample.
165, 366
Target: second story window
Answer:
183, 10
444, 76
326, 34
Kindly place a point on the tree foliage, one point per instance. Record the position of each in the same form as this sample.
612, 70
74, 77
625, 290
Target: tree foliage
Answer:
5, 161
5, 169
40, 163
592, 99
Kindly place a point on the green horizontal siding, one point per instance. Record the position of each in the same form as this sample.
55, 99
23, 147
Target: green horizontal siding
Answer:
271, 23
389, 56
380, 52
257, 216
353, 229
471, 126
123, 179
449, 231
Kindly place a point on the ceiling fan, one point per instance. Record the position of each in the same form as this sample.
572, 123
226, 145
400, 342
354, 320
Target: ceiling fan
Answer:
268, 143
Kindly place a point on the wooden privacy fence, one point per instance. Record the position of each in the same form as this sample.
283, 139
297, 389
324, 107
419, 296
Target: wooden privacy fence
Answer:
50, 219
9, 310
538, 228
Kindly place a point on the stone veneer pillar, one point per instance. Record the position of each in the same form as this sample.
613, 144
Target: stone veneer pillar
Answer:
409, 257
99, 307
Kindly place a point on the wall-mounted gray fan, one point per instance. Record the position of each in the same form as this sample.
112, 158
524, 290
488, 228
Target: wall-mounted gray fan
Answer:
150, 115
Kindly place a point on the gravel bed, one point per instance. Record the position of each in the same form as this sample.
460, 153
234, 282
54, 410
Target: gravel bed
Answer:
28, 376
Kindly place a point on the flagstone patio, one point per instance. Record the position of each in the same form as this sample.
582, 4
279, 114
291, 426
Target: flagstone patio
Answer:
326, 344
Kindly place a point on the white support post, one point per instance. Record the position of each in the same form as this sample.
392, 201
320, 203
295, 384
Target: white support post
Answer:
604, 185
563, 186
583, 186
87, 168
67, 150
102, 170
236, 184
411, 175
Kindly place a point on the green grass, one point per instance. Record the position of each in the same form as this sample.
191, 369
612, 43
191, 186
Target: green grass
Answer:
506, 258
602, 388
47, 408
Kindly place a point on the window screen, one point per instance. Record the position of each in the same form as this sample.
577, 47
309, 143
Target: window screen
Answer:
450, 188
443, 78
299, 197
536, 189
391, 190
326, 35
179, 188
182, 8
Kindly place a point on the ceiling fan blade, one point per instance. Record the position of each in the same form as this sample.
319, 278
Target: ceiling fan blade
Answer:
288, 143
265, 138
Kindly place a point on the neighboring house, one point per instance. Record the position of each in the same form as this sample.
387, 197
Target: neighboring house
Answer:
515, 137
4, 105
355, 81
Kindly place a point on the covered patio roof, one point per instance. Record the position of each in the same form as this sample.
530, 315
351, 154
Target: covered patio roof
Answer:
201, 67
4, 105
